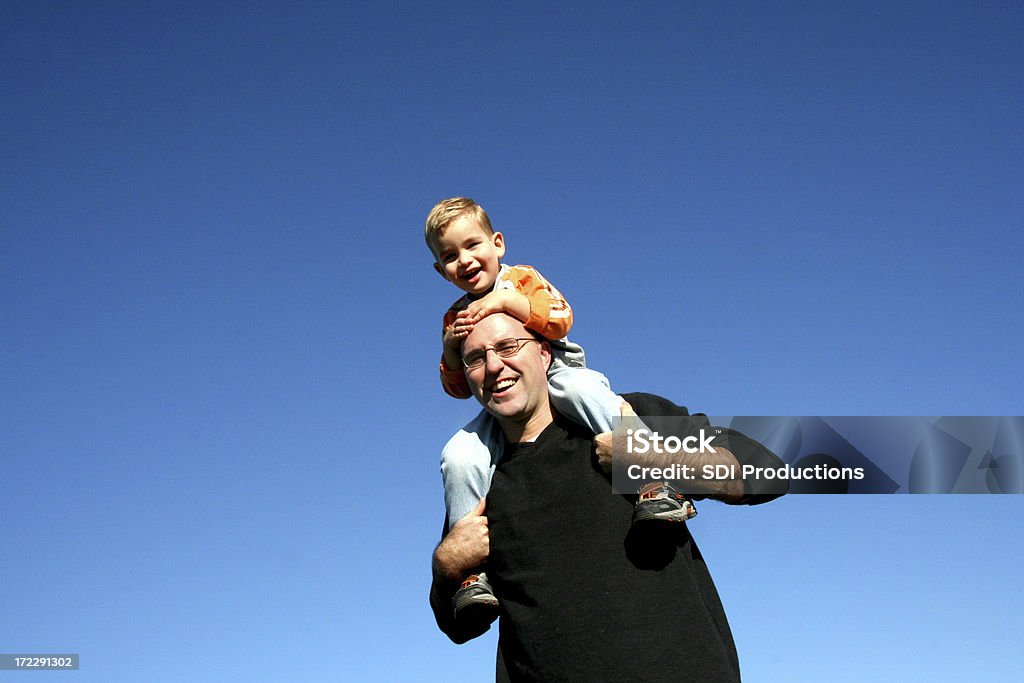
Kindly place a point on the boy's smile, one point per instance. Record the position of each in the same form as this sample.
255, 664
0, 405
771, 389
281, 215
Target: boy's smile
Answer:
468, 257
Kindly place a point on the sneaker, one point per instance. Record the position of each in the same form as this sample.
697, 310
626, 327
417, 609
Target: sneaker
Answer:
475, 600
659, 501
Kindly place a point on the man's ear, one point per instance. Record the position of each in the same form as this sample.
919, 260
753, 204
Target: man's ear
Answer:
498, 240
440, 270
545, 353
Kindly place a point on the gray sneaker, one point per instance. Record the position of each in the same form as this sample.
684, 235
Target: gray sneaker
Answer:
475, 600
659, 501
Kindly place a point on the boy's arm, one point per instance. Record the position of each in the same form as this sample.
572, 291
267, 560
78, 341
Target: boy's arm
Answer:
502, 301
458, 325
454, 381
453, 373
534, 300
550, 314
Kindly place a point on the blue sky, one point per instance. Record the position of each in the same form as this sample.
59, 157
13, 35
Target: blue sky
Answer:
219, 324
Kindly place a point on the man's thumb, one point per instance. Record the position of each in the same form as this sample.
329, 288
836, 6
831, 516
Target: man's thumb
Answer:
479, 509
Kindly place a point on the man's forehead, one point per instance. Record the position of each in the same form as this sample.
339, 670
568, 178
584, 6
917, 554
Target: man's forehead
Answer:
492, 328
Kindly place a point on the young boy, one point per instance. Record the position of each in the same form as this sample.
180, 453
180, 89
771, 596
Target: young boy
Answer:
468, 253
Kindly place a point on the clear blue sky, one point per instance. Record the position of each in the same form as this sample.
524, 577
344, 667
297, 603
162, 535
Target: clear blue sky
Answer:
219, 328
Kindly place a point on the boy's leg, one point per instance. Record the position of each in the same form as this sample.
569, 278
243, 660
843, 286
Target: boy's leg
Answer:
467, 463
659, 501
585, 395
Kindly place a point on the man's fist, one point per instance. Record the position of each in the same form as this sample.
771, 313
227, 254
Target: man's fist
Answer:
465, 547
605, 443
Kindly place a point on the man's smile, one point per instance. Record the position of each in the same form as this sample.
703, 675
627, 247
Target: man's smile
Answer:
502, 386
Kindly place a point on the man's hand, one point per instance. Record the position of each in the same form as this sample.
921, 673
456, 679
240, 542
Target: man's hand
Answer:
465, 547
604, 443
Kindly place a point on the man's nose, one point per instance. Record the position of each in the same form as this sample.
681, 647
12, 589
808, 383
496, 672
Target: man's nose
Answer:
493, 363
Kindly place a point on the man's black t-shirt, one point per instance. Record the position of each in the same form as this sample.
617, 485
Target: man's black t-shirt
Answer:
584, 596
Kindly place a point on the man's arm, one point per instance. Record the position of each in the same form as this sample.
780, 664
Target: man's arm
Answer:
612, 448
464, 548
730, 449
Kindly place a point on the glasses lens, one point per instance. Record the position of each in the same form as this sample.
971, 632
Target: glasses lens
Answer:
474, 359
506, 347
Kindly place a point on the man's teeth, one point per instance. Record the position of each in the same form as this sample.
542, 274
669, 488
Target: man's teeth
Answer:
503, 384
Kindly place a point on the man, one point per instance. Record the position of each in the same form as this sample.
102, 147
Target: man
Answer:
584, 595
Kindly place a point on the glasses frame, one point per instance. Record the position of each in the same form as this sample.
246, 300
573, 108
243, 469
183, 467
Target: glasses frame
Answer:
520, 342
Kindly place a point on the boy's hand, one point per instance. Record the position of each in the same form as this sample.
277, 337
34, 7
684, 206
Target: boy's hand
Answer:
501, 301
450, 339
494, 302
452, 348
462, 326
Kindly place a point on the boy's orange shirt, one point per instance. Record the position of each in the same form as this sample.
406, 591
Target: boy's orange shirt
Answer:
550, 316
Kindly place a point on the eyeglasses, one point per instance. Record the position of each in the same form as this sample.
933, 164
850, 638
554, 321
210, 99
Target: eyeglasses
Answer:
506, 348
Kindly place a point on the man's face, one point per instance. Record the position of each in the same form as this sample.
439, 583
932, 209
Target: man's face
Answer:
513, 389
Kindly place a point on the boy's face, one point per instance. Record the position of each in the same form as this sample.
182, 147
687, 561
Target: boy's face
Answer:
468, 257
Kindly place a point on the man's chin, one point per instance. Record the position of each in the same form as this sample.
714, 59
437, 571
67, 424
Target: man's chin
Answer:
506, 409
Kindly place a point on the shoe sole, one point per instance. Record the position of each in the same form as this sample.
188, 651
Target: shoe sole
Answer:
481, 599
479, 612
674, 516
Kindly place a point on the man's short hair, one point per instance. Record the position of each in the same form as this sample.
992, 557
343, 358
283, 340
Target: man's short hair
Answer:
446, 211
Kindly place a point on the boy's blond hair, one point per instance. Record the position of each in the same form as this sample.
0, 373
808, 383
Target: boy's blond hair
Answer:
446, 211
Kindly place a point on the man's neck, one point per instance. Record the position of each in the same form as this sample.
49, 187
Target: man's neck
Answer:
528, 431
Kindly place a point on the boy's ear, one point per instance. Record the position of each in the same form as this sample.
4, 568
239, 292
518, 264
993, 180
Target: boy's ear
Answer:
440, 270
499, 244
